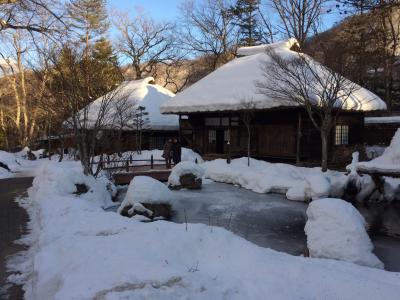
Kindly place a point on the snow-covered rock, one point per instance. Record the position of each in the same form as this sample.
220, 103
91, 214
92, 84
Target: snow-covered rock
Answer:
336, 230
185, 168
144, 189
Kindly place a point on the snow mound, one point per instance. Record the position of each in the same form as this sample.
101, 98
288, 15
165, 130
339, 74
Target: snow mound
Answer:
336, 230
61, 179
144, 189
388, 162
300, 184
184, 168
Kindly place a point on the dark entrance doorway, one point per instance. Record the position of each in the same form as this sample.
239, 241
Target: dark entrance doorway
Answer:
220, 141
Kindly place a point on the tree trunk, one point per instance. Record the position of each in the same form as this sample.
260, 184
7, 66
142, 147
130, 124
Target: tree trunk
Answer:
324, 161
248, 146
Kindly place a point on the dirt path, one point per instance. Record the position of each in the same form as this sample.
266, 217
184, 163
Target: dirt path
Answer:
13, 220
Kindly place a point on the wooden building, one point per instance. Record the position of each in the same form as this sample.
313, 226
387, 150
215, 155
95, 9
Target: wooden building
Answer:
380, 127
285, 134
213, 110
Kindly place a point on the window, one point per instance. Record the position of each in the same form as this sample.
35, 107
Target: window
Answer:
227, 136
212, 136
341, 135
235, 121
225, 121
157, 142
212, 121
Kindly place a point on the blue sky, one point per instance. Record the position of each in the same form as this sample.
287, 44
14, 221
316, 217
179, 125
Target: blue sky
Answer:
160, 10
168, 10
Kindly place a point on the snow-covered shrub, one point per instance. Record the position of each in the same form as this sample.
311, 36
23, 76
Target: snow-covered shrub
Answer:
336, 230
184, 168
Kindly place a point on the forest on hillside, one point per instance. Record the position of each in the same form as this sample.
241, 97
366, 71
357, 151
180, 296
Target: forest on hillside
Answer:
58, 56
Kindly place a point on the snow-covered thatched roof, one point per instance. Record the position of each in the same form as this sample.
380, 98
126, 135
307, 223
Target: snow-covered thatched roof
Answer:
229, 87
128, 96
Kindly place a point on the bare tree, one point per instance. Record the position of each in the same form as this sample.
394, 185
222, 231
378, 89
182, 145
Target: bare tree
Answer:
85, 117
299, 80
33, 16
268, 29
247, 112
21, 110
123, 114
145, 43
208, 29
140, 123
299, 18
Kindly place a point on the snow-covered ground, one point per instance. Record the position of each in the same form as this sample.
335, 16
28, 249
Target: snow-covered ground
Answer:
79, 251
302, 184
20, 166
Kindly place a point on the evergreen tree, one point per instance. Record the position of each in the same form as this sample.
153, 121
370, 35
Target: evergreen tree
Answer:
105, 64
89, 18
246, 12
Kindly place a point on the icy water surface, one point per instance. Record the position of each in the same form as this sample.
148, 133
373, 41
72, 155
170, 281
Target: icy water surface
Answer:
269, 220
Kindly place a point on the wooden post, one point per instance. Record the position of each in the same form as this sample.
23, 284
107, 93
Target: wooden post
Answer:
151, 162
180, 129
298, 138
127, 165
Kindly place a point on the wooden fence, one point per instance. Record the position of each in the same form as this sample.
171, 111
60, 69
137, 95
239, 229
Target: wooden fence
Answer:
129, 163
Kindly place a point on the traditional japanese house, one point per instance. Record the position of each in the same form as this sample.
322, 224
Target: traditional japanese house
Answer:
212, 114
133, 106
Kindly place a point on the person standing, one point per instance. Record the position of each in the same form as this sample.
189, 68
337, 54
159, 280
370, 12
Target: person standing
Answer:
176, 151
167, 153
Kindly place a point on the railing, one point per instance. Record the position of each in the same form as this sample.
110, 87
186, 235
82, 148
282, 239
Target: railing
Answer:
127, 164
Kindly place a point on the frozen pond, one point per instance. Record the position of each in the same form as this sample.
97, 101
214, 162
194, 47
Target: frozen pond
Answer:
268, 220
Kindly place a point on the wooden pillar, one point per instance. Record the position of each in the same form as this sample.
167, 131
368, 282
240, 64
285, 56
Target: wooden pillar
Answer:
298, 145
180, 128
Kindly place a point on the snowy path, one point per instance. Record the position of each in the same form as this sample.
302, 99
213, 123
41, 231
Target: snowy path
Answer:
13, 220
